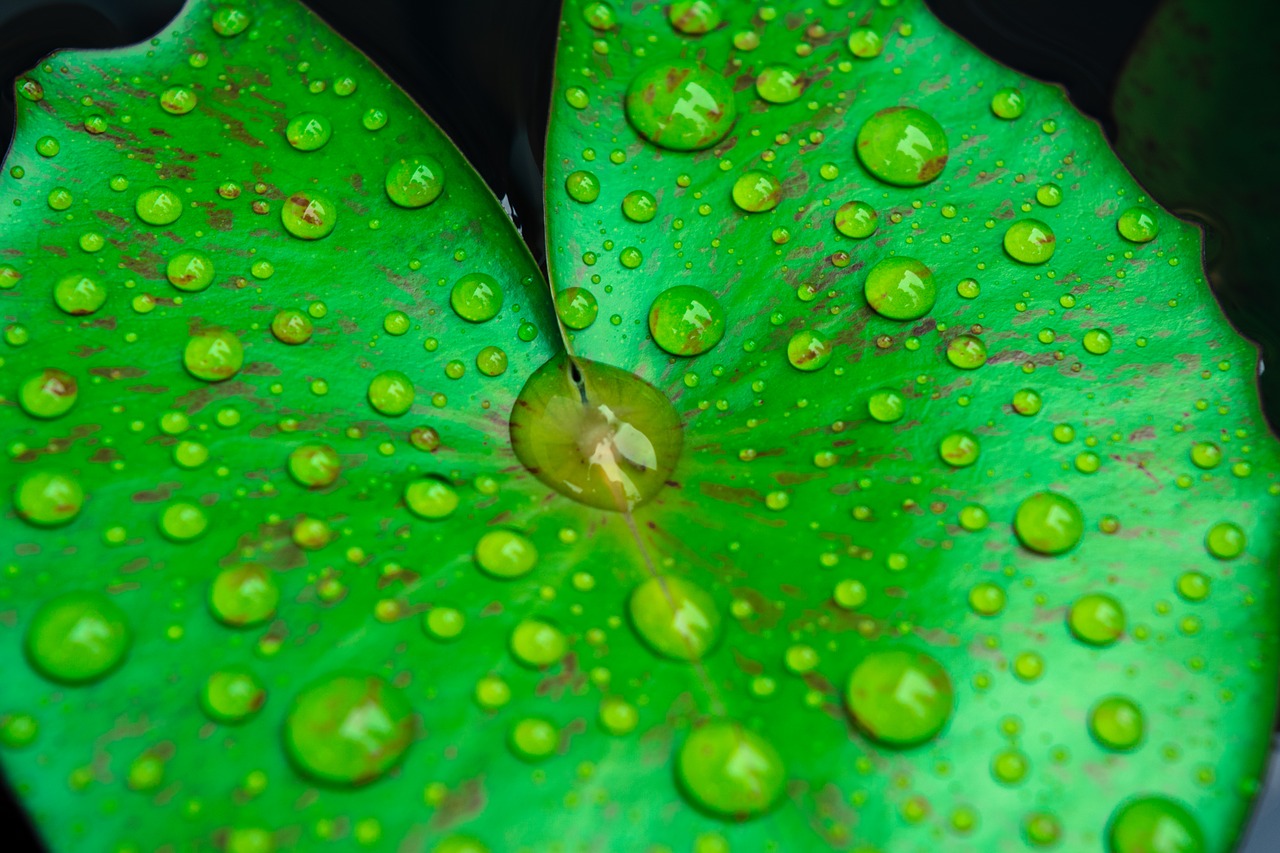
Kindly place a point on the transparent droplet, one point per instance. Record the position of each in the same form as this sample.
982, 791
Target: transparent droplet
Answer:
756, 191
158, 206
49, 393
582, 186
780, 84
178, 100
182, 522
959, 449
1029, 241
886, 405
1027, 402
681, 106
639, 206
1096, 618
47, 498
537, 644
78, 637
308, 132
1138, 225
232, 695
308, 216
315, 465
903, 146
1225, 541
1008, 103
415, 181
967, 352
857, 219
430, 498
675, 617
391, 393
900, 697
348, 729
694, 17
865, 43
534, 738
900, 288
476, 297
1154, 824
506, 554
686, 320
577, 307
230, 21
190, 271
809, 350
1115, 722
1049, 523
730, 770
291, 327
213, 354
78, 294
600, 16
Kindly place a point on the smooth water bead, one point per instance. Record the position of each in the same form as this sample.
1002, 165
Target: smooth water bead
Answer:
1116, 723
900, 697
600, 16
730, 770
48, 499
391, 393
308, 132
780, 84
1154, 824
1138, 225
49, 393
686, 320
229, 21
315, 466
158, 206
1029, 241
974, 517
639, 206
1027, 402
78, 637
374, 118
1206, 454
444, 623
348, 729
582, 186
1225, 541
865, 43
577, 307
232, 696
308, 216
1008, 103
1049, 195
756, 191
968, 288
476, 297
1193, 586
809, 350
682, 106
213, 354
291, 327
1096, 618
959, 449
857, 219
900, 288
537, 644
675, 617
178, 100
903, 146
534, 738
694, 17
48, 146
79, 295
506, 554
886, 405
1048, 523
415, 181
491, 361
430, 498
190, 271
190, 454
618, 716
850, 594
966, 352
577, 97
182, 522
18, 730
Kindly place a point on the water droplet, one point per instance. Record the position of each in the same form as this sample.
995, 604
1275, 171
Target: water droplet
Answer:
506, 554
178, 100
681, 106
158, 206
182, 522
809, 350
968, 288
730, 770
308, 131
308, 216
1225, 541
886, 405
1097, 341
1138, 225
1206, 454
1115, 722
865, 43
986, 599
190, 271
675, 617
756, 191
639, 206
1029, 241
1049, 523
31, 89
348, 729
47, 498
850, 594
315, 465
230, 21
967, 352
1154, 825
899, 697
1027, 402
78, 294
694, 17
476, 297
1096, 618
903, 146
686, 320
596, 434
959, 449
78, 637
900, 288
1042, 829
534, 738
618, 716
18, 730
537, 644
430, 498
1008, 103
1010, 767
577, 307
213, 354
49, 393
1049, 195
974, 517
232, 695
415, 181
857, 219
1194, 586
291, 327
391, 393
780, 84
599, 16
374, 118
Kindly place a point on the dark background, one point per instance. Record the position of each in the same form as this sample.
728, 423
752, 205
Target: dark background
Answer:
482, 70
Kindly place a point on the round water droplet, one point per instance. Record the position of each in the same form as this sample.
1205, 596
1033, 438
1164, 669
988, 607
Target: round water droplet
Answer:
374, 118
1225, 541
899, 697
618, 716
244, 596
47, 499
49, 393
315, 465
430, 498
308, 131
18, 730
730, 770
780, 84
291, 327
391, 393
583, 187
577, 307
534, 738
232, 695
537, 644
694, 17
986, 599
230, 21
444, 623
1027, 402
1049, 523
1008, 103
182, 522
178, 100
415, 181
1050, 195
1206, 454
348, 729
79, 295
900, 289
1029, 241
600, 16
308, 215
686, 320
886, 405
476, 297
190, 271
158, 206
1138, 225
596, 434
506, 554
756, 191
681, 106
809, 350
1115, 722
903, 146
675, 617
78, 637
967, 352
213, 354
857, 219
865, 43
639, 206
959, 449
1096, 618
1154, 825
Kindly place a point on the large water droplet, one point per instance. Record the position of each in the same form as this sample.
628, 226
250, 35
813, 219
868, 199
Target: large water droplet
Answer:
244, 596
348, 729
213, 354
686, 320
415, 181
1138, 225
756, 191
49, 393
694, 17
536, 643
506, 554
900, 288
730, 770
900, 697
476, 297
903, 146
675, 617
1030, 241
1154, 825
1049, 523
78, 637
1116, 723
391, 393
232, 695
780, 84
158, 206
1096, 618
308, 131
308, 215
682, 106
78, 294
48, 498
190, 271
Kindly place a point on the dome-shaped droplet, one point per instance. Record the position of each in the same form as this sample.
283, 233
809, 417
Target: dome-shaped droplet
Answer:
756, 191
190, 271
900, 288
230, 21
1225, 540
1154, 824
536, 643
78, 637
182, 522
1115, 722
415, 181
534, 738
809, 350
730, 770
1029, 241
865, 43
856, 219
903, 146
158, 206
232, 695
178, 100
391, 393
1138, 225
886, 405
900, 697
1049, 523
79, 295
213, 354
600, 16
967, 352
430, 498
675, 617
577, 308
506, 554
48, 498
582, 186
959, 449
476, 297
1008, 103
308, 131
348, 729
686, 320
639, 206
1096, 618
48, 393
780, 84
694, 17
315, 465
291, 327
682, 106
308, 215
243, 596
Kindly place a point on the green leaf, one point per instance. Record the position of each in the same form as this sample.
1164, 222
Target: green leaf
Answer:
868, 596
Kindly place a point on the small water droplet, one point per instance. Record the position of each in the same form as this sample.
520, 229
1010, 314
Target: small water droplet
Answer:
1138, 225
1008, 103
232, 695
1115, 722
780, 84
391, 393
78, 637
686, 320
415, 181
158, 206
476, 297
900, 288
1030, 241
857, 219
49, 393
1096, 618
